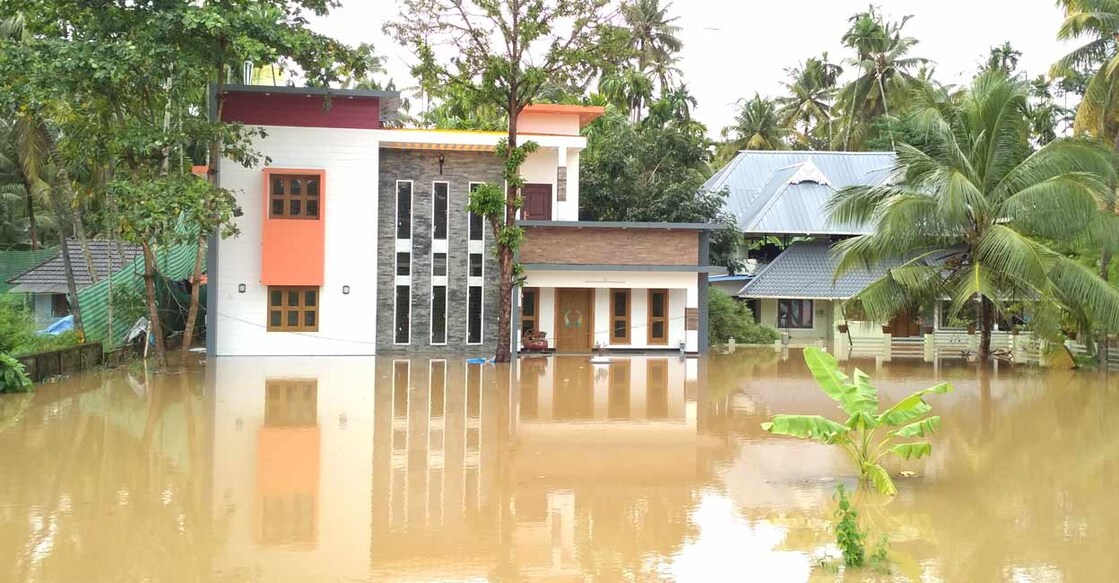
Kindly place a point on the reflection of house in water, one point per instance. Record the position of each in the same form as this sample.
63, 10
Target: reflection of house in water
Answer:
607, 466
425, 469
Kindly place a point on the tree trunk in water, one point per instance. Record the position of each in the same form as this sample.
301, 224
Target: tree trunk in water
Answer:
192, 313
504, 351
155, 329
986, 323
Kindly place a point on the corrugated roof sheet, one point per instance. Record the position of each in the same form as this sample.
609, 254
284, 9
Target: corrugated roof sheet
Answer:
807, 270
763, 201
13, 263
52, 272
174, 263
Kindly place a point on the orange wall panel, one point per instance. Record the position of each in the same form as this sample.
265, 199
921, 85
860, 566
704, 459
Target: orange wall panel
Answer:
293, 250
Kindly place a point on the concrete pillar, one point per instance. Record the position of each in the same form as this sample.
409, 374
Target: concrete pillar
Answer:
930, 347
887, 347
1043, 349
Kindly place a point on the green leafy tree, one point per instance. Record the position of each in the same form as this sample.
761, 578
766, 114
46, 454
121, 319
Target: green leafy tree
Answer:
655, 39
867, 435
971, 210
729, 318
502, 53
13, 377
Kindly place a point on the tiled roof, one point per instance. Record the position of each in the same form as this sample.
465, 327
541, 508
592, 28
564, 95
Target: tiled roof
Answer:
13, 263
807, 270
50, 276
785, 192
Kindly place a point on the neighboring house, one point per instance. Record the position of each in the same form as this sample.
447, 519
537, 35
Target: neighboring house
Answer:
356, 240
781, 196
46, 282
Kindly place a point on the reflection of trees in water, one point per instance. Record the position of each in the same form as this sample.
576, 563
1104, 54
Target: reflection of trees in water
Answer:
96, 488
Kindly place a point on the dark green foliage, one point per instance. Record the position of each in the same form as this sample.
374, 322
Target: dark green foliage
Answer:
17, 330
729, 318
848, 537
13, 379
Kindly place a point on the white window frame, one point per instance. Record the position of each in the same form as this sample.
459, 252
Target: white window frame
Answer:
403, 246
431, 311
436, 243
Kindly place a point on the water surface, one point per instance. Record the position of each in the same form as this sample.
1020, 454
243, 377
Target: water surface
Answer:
649, 469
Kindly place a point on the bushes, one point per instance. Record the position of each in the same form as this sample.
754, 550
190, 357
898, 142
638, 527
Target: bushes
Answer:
728, 318
13, 379
17, 330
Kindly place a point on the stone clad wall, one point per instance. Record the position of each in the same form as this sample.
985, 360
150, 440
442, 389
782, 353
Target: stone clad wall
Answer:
603, 246
422, 167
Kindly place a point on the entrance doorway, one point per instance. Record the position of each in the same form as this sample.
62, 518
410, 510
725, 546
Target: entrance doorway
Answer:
574, 320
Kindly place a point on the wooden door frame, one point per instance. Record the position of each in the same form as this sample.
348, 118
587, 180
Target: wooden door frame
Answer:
590, 324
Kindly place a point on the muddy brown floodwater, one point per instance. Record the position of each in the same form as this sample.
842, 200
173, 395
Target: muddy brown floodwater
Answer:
648, 469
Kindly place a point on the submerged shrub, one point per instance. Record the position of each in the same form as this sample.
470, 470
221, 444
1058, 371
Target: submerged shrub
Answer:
848, 537
729, 318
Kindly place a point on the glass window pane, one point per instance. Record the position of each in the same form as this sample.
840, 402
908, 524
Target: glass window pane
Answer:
621, 303
309, 318
403, 263
475, 265
277, 207
313, 208
277, 185
275, 318
296, 207
403, 327
296, 187
439, 314
658, 329
277, 298
293, 298
439, 216
310, 297
475, 227
293, 318
657, 304
621, 330
312, 187
404, 210
474, 315
439, 264
528, 303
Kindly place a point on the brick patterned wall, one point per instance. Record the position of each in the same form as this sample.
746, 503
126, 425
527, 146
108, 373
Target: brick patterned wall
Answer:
600, 246
422, 167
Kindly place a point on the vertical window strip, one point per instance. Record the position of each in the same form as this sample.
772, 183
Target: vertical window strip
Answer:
439, 314
476, 227
403, 209
658, 316
620, 316
474, 315
440, 192
402, 312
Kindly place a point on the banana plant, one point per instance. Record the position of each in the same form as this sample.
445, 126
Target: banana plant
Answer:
867, 436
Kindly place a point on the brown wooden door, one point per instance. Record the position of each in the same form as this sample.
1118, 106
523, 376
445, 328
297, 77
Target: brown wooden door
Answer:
537, 202
905, 326
574, 320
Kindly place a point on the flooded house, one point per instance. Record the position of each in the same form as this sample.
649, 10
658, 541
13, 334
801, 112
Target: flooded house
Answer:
356, 239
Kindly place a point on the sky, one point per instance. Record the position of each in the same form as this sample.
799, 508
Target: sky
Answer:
734, 48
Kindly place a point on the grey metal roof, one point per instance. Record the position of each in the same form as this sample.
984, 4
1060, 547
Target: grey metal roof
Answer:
807, 270
785, 192
51, 274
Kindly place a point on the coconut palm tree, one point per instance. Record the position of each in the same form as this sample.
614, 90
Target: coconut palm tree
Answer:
885, 71
811, 93
1097, 22
971, 211
654, 37
629, 89
757, 126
